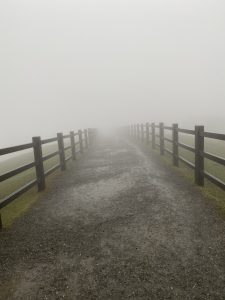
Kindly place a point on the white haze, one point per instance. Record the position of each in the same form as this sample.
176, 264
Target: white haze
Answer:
101, 63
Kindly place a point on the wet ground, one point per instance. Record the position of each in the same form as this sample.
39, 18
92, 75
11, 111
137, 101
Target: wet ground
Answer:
118, 224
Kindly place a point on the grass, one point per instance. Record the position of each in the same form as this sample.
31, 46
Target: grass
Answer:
215, 147
9, 162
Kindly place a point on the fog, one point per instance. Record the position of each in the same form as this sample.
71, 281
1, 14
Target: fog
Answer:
102, 63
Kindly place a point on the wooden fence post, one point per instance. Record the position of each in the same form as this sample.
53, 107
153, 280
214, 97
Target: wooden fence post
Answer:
138, 132
161, 137
135, 132
153, 135
175, 145
90, 137
147, 133
73, 148
61, 151
199, 155
81, 141
86, 138
1, 225
142, 133
40, 174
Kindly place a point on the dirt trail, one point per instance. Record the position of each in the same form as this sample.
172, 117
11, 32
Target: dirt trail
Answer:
117, 224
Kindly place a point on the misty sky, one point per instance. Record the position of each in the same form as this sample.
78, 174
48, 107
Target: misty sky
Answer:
95, 63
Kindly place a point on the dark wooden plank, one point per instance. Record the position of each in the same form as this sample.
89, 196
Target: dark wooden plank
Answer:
175, 137
17, 171
5, 201
215, 158
199, 158
187, 131
15, 148
161, 133
186, 162
67, 148
168, 150
66, 136
39, 163
46, 157
187, 147
68, 157
215, 180
51, 140
217, 136
53, 169
168, 140
73, 146
61, 151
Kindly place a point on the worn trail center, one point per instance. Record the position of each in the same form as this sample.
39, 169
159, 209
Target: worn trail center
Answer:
118, 224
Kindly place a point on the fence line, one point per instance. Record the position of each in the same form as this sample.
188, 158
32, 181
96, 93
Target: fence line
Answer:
85, 138
143, 132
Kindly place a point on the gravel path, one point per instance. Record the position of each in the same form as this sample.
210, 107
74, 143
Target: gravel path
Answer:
118, 224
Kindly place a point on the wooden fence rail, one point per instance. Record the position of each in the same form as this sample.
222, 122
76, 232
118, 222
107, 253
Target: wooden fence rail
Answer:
84, 139
200, 154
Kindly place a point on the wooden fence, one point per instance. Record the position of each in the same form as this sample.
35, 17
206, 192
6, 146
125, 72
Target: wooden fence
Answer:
146, 133
79, 141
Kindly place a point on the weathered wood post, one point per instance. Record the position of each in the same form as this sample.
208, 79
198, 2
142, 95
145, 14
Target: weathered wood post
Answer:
199, 155
135, 132
73, 148
147, 134
161, 138
153, 135
81, 141
142, 133
39, 166
175, 145
61, 151
90, 136
86, 138
1, 225
138, 132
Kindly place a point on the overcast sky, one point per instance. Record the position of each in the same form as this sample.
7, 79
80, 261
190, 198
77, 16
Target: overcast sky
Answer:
93, 63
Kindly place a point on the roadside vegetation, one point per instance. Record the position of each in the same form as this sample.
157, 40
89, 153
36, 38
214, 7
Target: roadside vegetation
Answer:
24, 202
213, 146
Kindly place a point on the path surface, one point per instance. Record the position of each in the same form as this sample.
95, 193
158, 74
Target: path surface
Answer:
117, 225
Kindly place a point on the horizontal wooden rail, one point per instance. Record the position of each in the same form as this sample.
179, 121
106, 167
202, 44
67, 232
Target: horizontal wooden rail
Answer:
186, 147
215, 180
16, 171
187, 131
67, 148
168, 150
52, 169
186, 162
217, 136
5, 201
218, 159
168, 140
68, 157
67, 136
47, 141
51, 155
15, 149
